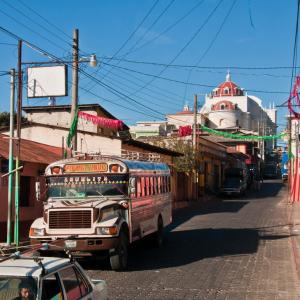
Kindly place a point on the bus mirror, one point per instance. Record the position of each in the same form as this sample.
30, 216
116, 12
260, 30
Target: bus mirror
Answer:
38, 191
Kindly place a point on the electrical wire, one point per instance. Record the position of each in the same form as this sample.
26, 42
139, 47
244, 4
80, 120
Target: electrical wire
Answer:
131, 35
193, 9
210, 45
152, 63
190, 83
294, 62
161, 101
183, 48
150, 27
31, 30
45, 20
36, 23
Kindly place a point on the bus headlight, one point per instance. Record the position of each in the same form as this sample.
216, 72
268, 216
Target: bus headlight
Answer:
113, 230
37, 231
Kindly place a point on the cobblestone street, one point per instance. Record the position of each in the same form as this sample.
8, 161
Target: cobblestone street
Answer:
234, 249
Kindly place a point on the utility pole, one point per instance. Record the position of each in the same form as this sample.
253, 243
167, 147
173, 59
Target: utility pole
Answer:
10, 160
75, 84
18, 152
195, 147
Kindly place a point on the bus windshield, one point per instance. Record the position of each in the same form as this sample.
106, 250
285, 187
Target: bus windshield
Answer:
86, 186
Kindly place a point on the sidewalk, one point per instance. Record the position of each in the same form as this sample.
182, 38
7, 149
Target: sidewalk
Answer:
295, 233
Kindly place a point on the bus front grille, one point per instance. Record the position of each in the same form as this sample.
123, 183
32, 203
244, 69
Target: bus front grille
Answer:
68, 219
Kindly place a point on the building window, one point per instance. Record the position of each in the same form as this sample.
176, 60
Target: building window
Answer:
222, 107
25, 184
237, 123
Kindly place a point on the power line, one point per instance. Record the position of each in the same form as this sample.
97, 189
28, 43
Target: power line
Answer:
30, 29
169, 27
129, 37
185, 46
45, 20
294, 63
150, 27
190, 83
160, 104
211, 44
37, 23
53, 57
152, 63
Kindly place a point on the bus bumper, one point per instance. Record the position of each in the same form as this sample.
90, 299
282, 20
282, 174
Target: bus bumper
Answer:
77, 245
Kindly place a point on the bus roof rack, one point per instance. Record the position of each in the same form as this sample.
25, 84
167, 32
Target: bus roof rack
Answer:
135, 155
125, 154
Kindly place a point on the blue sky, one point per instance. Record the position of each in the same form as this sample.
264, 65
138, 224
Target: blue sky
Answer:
257, 33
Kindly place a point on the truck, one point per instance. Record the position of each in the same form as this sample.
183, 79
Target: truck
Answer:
235, 182
284, 166
98, 204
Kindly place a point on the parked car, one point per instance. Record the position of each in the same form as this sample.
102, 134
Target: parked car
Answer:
46, 278
233, 186
235, 182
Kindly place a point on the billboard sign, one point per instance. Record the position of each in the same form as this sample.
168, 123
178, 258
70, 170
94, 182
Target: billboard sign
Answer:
50, 81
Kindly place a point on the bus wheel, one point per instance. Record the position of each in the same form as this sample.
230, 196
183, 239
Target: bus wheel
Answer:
158, 236
118, 257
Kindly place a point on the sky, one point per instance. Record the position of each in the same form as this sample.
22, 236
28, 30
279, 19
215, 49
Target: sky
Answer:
146, 50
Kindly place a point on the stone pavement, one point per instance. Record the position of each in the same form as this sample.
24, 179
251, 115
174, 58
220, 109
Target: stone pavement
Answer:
295, 233
231, 249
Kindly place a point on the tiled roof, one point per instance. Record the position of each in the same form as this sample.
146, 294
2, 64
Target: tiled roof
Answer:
31, 151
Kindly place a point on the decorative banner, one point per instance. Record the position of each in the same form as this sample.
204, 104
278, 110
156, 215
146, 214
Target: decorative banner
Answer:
242, 137
185, 130
294, 95
295, 180
103, 122
73, 129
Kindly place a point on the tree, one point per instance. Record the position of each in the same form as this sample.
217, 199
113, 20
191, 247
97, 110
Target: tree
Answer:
4, 119
185, 163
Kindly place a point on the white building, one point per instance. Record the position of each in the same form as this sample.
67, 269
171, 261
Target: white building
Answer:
149, 128
50, 125
183, 118
229, 107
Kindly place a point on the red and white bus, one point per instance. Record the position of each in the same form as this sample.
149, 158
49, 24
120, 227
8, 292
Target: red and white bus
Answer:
96, 203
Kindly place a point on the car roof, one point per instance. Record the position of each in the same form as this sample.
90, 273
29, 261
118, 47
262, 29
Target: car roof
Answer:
29, 267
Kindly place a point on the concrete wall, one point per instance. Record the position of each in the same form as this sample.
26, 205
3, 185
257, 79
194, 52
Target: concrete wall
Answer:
26, 214
86, 142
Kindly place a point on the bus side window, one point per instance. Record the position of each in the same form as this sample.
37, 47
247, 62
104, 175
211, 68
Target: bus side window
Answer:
159, 184
147, 186
143, 186
139, 189
163, 184
151, 186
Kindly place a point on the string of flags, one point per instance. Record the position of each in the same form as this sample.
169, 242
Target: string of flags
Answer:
294, 95
103, 122
187, 130
96, 120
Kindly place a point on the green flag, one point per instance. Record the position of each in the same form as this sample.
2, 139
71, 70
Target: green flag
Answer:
73, 129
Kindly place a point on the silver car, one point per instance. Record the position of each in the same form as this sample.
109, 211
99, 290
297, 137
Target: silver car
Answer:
46, 278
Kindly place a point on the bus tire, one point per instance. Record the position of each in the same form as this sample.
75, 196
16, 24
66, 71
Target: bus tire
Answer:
118, 257
158, 236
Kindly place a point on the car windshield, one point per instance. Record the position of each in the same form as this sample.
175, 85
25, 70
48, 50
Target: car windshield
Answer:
232, 182
17, 287
86, 186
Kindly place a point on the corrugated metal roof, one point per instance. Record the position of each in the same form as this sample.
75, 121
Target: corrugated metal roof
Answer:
31, 151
